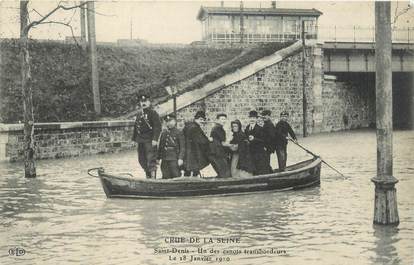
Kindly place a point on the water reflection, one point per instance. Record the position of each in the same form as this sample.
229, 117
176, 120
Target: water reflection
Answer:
64, 217
386, 237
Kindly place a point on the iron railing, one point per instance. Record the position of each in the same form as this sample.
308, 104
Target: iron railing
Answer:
254, 37
332, 34
362, 34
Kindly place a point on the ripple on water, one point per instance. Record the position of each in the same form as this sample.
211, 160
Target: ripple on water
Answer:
64, 217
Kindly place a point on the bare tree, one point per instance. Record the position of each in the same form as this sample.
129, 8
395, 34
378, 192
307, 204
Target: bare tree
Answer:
25, 26
398, 13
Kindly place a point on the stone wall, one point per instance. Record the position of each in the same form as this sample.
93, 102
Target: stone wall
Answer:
277, 88
340, 102
348, 102
345, 101
57, 140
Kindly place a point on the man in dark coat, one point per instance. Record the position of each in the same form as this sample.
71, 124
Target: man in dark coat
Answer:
256, 134
270, 132
147, 130
171, 149
283, 129
196, 146
218, 153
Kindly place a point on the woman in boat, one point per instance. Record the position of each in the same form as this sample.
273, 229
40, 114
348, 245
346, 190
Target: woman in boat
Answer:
218, 148
241, 161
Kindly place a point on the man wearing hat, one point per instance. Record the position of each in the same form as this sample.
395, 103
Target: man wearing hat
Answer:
252, 121
196, 145
218, 153
147, 130
283, 129
171, 149
256, 134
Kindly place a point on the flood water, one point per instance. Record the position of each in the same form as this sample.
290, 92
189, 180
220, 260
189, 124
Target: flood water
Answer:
63, 216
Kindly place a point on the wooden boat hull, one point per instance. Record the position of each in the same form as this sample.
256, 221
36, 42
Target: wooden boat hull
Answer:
301, 175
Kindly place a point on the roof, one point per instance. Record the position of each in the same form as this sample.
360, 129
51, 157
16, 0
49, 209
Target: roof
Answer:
258, 11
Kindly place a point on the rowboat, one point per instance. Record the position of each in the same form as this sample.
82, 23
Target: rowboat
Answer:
301, 175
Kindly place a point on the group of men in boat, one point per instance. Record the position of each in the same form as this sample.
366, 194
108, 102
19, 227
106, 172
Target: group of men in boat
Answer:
190, 150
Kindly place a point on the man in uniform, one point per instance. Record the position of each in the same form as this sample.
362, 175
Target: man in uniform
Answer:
196, 146
171, 149
147, 130
218, 154
282, 130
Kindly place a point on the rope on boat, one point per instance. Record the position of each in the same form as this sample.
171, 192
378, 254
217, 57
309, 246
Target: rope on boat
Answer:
311, 153
95, 169
126, 174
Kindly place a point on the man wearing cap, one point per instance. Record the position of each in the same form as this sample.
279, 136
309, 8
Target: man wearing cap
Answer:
283, 129
196, 145
218, 154
256, 134
147, 130
171, 149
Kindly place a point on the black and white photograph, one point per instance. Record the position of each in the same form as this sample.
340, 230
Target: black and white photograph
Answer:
206, 132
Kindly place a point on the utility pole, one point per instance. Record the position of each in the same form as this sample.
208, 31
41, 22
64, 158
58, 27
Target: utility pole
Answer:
241, 23
29, 148
304, 101
83, 26
130, 33
93, 56
385, 208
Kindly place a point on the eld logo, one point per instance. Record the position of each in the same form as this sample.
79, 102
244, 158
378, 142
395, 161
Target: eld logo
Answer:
17, 252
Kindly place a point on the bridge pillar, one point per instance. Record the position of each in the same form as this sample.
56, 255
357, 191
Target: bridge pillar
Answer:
317, 78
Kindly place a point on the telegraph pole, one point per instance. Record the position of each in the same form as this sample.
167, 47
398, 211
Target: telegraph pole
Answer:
385, 209
93, 56
130, 33
83, 26
304, 101
241, 23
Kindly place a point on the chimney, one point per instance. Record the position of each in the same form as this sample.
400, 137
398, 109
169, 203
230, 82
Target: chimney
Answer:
274, 4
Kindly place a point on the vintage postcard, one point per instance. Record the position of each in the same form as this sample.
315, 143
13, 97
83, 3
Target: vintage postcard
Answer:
206, 132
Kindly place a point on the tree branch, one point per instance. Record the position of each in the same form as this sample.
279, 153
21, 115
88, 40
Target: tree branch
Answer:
64, 24
34, 10
98, 13
398, 14
40, 21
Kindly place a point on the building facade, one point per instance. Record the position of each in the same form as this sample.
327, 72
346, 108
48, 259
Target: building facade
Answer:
251, 25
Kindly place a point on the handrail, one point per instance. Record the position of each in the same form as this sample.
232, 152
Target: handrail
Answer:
326, 33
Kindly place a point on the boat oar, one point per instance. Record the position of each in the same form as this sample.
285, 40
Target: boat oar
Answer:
311, 153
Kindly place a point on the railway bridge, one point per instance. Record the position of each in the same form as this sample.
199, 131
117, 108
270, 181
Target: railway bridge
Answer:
349, 56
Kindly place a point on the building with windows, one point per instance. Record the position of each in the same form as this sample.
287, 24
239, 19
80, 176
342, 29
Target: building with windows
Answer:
232, 24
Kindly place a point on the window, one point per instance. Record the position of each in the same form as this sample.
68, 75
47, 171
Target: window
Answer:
290, 25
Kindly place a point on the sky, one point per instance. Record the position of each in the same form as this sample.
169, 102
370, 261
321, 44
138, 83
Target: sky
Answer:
175, 21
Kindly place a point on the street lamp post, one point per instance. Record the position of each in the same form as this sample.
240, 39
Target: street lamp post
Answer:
385, 211
304, 101
172, 91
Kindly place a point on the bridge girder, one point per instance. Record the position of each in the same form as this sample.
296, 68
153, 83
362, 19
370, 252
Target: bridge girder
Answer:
360, 57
